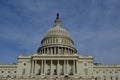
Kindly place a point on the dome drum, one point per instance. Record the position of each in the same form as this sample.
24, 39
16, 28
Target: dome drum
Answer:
57, 40
57, 50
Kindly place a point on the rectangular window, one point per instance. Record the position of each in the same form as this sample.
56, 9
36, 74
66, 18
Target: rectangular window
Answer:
116, 78
23, 72
111, 78
86, 71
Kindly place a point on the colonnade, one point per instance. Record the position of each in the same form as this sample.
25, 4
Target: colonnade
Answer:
65, 67
57, 40
56, 50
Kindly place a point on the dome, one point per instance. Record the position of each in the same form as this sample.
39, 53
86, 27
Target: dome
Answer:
57, 41
57, 35
57, 31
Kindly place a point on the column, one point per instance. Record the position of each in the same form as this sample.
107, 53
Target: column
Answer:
42, 51
64, 67
54, 50
51, 51
32, 67
45, 51
35, 67
67, 67
44, 66
58, 67
59, 49
48, 51
76, 67
64, 50
51, 68
73, 66
70, 51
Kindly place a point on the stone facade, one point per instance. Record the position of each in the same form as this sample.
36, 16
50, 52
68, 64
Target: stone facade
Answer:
57, 59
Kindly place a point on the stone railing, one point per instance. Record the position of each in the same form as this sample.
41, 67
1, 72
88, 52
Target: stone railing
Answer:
41, 79
100, 65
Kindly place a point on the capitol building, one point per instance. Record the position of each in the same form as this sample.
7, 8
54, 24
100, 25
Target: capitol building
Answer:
58, 59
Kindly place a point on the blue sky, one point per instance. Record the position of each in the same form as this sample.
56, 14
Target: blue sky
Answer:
94, 26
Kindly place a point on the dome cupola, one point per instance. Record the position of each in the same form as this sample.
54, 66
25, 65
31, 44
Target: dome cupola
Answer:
57, 30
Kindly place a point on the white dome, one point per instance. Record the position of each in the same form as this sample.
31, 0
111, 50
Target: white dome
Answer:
57, 38
57, 31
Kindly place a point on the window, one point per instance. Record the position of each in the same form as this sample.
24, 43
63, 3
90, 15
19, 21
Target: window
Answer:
24, 64
96, 78
85, 64
62, 72
116, 78
8, 71
110, 72
48, 72
55, 72
2, 72
104, 77
103, 71
71, 73
86, 71
111, 78
23, 72
115, 71
97, 72
14, 71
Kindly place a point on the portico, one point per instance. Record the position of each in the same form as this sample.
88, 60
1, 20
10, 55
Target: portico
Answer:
54, 66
